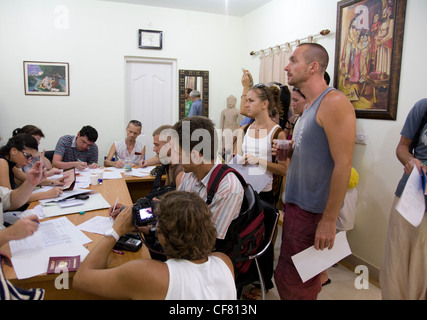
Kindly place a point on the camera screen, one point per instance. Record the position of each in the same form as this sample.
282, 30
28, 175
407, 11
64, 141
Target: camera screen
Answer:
145, 213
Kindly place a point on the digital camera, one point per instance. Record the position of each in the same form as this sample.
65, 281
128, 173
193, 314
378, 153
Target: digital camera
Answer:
142, 213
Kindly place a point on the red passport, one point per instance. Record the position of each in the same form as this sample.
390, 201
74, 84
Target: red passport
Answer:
58, 264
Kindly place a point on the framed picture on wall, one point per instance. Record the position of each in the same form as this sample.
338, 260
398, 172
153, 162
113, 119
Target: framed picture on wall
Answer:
46, 78
368, 55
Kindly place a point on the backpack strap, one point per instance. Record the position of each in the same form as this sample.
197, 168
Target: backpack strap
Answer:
417, 135
216, 177
159, 174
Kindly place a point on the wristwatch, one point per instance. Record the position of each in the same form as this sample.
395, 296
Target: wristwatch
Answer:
112, 233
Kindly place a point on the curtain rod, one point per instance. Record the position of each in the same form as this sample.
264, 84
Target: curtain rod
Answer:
321, 33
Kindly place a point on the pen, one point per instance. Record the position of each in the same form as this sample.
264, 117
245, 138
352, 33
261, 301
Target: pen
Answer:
114, 208
117, 251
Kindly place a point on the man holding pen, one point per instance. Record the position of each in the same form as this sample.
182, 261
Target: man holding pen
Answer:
78, 151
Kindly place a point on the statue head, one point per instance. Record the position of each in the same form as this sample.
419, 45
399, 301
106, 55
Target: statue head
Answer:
231, 102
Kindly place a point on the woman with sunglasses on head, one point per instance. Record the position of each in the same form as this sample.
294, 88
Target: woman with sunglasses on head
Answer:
255, 147
261, 102
17, 153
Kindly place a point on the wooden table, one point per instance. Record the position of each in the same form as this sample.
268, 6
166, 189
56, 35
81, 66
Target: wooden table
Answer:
110, 190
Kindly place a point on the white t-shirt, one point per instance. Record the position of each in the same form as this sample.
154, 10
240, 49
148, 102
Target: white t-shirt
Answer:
211, 280
122, 151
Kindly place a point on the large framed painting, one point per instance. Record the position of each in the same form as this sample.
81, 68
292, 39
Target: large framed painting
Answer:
368, 55
46, 78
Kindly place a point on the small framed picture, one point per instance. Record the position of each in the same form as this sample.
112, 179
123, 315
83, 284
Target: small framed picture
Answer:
150, 39
46, 78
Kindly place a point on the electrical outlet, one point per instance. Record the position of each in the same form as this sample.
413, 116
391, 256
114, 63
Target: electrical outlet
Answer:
361, 138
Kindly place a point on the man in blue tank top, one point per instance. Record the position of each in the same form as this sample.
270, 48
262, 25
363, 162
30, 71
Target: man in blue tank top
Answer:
319, 170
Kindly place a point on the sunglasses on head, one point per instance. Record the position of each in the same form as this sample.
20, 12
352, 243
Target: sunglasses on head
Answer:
264, 87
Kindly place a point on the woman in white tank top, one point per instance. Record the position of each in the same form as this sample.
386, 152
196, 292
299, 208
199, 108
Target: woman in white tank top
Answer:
257, 141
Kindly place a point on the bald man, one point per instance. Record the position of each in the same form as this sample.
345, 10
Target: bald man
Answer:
319, 170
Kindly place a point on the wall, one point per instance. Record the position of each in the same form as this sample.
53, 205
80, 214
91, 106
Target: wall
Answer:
376, 162
101, 34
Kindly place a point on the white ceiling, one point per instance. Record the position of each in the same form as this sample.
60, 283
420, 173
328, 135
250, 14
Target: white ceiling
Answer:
227, 7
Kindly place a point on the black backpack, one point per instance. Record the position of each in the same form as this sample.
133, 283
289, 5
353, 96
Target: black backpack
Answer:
246, 233
158, 189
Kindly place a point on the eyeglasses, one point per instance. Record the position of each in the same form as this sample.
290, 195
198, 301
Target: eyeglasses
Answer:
263, 86
28, 156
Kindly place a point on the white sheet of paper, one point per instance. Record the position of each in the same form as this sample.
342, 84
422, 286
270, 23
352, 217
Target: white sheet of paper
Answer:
58, 237
311, 262
111, 175
411, 204
253, 175
146, 169
12, 216
139, 174
30, 265
97, 224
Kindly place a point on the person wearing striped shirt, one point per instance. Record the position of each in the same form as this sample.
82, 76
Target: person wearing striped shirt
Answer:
198, 164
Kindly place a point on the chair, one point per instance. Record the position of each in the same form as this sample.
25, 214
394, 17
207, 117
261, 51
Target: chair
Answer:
271, 219
49, 155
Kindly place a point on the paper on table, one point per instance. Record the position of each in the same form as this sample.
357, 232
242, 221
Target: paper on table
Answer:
35, 263
111, 175
97, 224
139, 174
146, 169
58, 237
253, 175
12, 216
311, 262
411, 204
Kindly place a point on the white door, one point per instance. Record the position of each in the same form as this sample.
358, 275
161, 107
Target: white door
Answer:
151, 95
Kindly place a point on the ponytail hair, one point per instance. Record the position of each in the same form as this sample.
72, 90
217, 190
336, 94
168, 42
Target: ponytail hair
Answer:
271, 93
30, 129
20, 141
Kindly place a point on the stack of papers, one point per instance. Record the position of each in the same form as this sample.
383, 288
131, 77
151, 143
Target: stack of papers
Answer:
58, 237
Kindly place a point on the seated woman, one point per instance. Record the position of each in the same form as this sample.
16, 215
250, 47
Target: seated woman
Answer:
18, 152
21, 229
50, 170
130, 148
38, 134
192, 271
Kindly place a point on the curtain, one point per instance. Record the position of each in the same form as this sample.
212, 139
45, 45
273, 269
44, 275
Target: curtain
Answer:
272, 65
